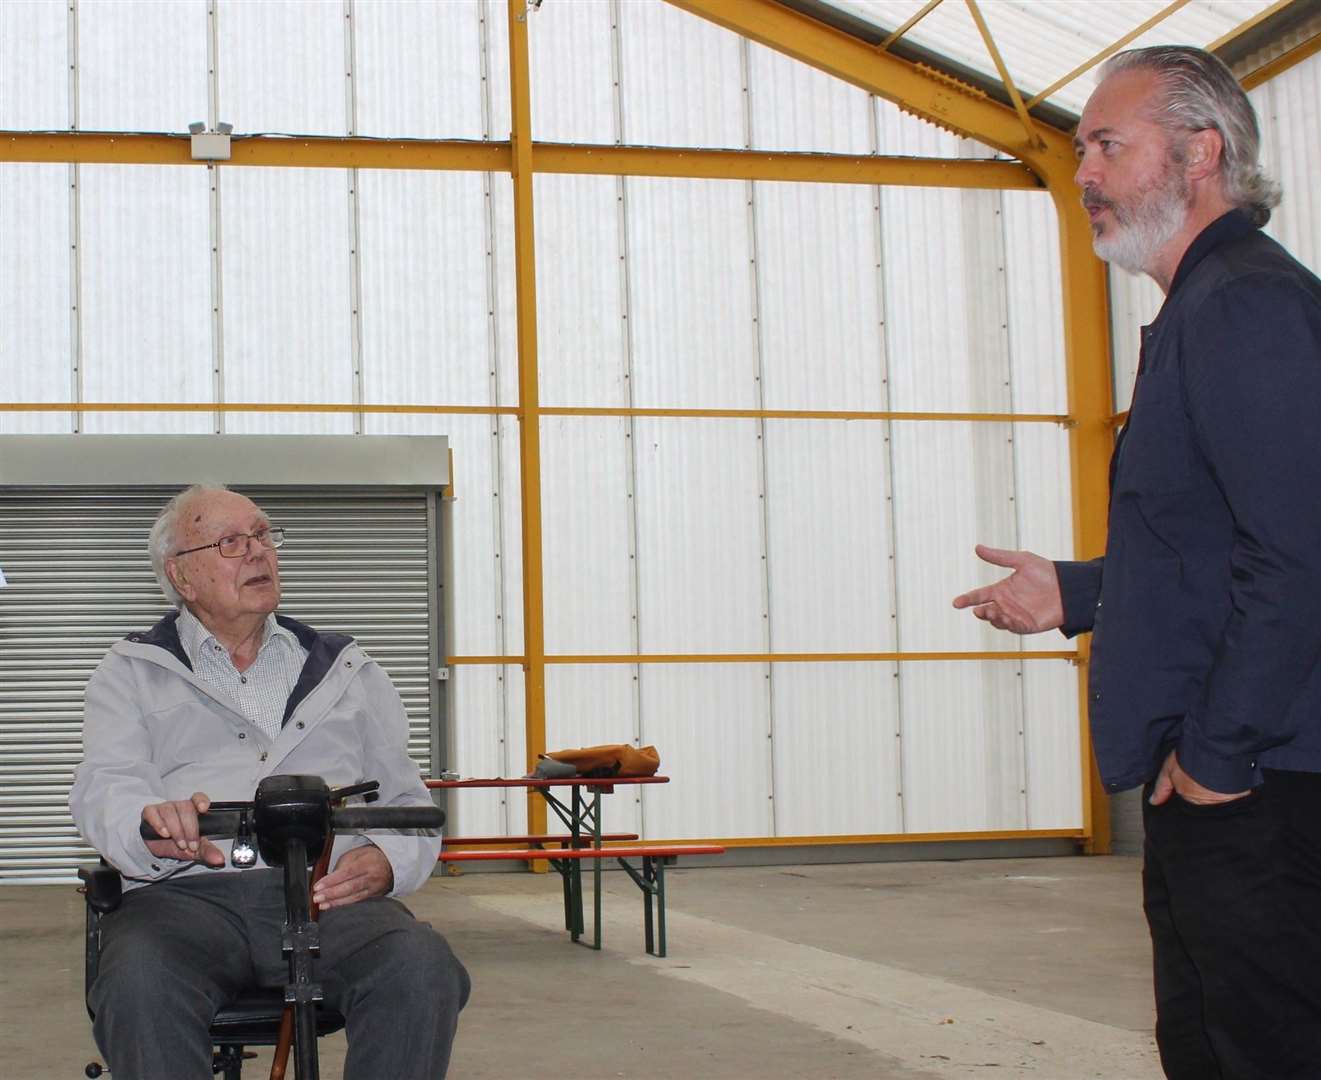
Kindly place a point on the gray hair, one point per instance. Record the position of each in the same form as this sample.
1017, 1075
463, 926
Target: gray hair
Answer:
163, 540
1201, 93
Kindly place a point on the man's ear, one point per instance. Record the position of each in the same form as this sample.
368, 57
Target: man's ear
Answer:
177, 579
1203, 152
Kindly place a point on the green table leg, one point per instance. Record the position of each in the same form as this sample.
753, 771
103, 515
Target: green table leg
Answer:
596, 869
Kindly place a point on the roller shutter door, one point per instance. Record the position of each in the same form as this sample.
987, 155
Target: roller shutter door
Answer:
360, 562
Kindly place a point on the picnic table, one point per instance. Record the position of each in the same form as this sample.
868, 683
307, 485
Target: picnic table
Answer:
580, 813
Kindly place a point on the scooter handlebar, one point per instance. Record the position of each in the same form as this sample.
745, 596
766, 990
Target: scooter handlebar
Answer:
217, 823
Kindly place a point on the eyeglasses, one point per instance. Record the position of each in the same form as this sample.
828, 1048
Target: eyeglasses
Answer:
236, 545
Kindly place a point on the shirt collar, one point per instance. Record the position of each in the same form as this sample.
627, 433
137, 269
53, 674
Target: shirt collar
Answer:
1224, 230
195, 637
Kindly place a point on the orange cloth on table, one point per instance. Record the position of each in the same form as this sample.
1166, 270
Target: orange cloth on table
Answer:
612, 759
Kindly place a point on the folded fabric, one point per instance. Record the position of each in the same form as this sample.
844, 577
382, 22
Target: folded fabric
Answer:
612, 759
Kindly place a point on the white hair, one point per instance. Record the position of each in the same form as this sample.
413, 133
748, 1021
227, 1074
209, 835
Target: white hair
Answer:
1200, 93
163, 540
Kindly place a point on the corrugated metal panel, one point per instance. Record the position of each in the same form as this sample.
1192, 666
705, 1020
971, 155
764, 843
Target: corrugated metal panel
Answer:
141, 65
581, 325
34, 65
1289, 106
831, 582
167, 314
570, 47
36, 361
796, 107
282, 67
586, 520
417, 69
709, 723
285, 243
962, 747
681, 79
424, 294
79, 580
1042, 496
836, 751
691, 295
822, 328
699, 537
1042, 42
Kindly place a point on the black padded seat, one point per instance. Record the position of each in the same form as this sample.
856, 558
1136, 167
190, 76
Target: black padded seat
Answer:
254, 1018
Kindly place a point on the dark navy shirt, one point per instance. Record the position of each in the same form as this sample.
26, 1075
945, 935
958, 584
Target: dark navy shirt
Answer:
1204, 610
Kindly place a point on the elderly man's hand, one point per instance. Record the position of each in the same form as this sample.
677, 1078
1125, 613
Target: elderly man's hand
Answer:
177, 823
361, 872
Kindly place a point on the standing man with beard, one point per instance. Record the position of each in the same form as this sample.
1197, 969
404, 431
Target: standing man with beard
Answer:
1205, 680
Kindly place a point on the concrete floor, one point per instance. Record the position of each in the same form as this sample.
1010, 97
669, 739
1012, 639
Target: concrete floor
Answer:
999, 968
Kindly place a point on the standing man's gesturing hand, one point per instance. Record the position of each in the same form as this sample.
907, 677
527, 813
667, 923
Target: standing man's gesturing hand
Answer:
1026, 602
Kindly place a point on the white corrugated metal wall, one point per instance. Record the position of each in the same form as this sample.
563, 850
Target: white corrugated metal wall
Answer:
661, 535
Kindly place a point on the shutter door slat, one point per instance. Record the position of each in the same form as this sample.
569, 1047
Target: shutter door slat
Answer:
79, 580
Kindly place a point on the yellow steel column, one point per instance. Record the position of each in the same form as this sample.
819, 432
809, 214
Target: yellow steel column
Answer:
1091, 440
529, 399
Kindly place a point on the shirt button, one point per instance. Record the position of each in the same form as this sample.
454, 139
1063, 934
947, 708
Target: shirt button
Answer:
244, 679
263, 756
1096, 696
155, 866
300, 725
243, 734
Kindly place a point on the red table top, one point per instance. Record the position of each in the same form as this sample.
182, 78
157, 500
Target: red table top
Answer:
604, 782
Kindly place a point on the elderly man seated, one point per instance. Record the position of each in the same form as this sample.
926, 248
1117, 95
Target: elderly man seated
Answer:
202, 706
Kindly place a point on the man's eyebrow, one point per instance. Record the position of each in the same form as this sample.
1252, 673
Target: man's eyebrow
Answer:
1096, 133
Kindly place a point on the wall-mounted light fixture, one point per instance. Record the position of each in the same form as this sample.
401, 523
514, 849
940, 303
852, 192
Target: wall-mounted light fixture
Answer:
210, 145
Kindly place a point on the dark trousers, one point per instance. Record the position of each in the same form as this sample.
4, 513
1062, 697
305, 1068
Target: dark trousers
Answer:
1233, 898
175, 952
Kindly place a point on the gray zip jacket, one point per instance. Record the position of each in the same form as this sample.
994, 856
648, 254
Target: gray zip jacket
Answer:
153, 731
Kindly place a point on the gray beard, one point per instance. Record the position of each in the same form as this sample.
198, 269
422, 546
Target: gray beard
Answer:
1139, 232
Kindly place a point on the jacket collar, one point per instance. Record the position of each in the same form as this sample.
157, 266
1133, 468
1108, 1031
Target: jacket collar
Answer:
1224, 230
322, 651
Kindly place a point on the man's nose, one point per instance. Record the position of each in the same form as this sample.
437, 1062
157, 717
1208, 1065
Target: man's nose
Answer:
1085, 174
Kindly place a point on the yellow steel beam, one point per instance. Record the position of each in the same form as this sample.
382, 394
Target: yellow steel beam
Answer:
807, 414
945, 101
921, 14
516, 410
883, 838
104, 148
1248, 24
253, 407
760, 165
772, 658
302, 152
922, 91
976, 12
529, 442
1108, 51
1281, 64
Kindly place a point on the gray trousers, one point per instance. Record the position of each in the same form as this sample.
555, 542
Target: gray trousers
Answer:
176, 951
